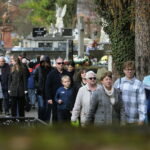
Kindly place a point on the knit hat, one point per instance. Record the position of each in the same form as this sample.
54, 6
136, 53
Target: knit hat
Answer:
44, 58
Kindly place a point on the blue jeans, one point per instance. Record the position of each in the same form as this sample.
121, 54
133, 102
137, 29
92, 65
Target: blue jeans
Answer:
32, 96
41, 108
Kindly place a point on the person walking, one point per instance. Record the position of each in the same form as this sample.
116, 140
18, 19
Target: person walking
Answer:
106, 107
31, 85
40, 75
53, 83
78, 83
83, 99
17, 88
4, 77
63, 97
133, 95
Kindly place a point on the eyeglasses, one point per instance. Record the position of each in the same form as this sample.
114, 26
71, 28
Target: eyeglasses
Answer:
92, 78
129, 69
60, 63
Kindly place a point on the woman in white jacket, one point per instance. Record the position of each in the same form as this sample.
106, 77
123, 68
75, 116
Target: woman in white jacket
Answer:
83, 99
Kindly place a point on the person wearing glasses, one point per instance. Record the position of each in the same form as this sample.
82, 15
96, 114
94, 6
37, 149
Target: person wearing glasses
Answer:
106, 107
53, 83
133, 95
83, 99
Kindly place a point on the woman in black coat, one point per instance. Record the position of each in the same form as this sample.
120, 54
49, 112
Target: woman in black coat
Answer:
17, 88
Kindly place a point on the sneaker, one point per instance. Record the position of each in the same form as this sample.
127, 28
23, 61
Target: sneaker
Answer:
7, 113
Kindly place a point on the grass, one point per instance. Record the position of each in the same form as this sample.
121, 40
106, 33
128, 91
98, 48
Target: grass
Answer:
68, 138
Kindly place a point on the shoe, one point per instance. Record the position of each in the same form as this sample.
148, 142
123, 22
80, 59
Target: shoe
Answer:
33, 106
7, 113
7, 116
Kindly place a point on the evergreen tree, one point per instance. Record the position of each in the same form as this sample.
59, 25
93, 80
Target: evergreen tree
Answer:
119, 15
43, 11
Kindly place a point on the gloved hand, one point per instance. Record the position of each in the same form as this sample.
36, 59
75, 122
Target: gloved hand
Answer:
25, 92
75, 123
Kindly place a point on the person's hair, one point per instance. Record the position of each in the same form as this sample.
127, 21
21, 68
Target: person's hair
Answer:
3, 58
129, 64
42, 57
24, 60
89, 73
17, 66
31, 64
38, 59
20, 55
78, 77
106, 74
59, 58
71, 63
65, 77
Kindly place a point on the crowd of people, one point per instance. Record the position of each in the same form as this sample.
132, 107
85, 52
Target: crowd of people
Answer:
65, 95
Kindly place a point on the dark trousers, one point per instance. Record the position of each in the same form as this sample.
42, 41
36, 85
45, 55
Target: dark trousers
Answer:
6, 105
41, 108
17, 106
148, 104
1, 105
63, 115
51, 111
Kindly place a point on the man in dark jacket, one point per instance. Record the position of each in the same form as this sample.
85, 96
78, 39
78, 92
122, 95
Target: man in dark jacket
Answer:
53, 82
40, 76
4, 76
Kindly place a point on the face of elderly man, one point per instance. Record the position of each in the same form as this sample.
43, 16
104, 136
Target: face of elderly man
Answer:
2, 61
91, 78
59, 63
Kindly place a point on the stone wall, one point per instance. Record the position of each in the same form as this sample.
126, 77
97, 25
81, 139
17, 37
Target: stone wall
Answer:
54, 54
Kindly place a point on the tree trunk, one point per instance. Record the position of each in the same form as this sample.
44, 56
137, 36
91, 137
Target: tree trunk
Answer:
142, 38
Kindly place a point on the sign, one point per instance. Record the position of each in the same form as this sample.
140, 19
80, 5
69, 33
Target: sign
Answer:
38, 32
67, 32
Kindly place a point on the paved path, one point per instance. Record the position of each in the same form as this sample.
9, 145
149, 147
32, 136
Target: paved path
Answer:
31, 113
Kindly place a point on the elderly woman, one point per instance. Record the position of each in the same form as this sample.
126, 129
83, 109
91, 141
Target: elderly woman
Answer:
106, 106
83, 99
